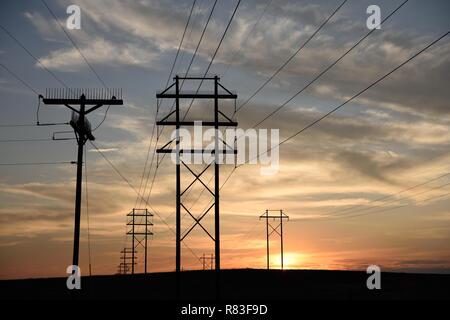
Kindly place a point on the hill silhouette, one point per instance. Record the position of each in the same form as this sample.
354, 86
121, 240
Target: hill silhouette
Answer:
238, 284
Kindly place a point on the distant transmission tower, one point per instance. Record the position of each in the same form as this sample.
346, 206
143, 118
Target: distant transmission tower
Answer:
207, 261
274, 229
139, 232
82, 128
127, 260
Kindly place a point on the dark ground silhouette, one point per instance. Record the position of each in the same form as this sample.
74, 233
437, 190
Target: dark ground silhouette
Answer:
239, 284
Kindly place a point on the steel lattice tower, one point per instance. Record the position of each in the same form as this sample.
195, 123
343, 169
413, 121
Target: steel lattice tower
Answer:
216, 124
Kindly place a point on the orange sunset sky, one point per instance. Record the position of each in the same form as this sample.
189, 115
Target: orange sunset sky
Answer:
367, 185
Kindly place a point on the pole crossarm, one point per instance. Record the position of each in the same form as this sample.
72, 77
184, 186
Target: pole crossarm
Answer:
193, 151
193, 95
192, 123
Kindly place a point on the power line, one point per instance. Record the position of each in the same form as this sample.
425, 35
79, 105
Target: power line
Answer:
227, 67
327, 69
351, 209
284, 64
135, 191
292, 56
209, 66
181, 43
341, 105
386, 209
200, 40
74, 44
26, 140
351, 98
33, 56
21, 80
182, 83
36, 163
17, 125
214, 55
157, 108
280, 68
100, 79
395, 200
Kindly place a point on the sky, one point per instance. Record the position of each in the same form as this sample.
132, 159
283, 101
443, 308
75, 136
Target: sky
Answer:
390, 143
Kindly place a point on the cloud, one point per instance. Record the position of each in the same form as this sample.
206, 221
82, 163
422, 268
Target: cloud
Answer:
99, 51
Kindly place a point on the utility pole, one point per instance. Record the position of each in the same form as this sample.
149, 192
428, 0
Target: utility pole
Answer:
125, 258
274, 229
139, 232
216, 124
82, 128
205, 259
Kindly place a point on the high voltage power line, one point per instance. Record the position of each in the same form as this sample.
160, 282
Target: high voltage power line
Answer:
209, 65
214, 55
289, 59
36, 163
139, 195
273, 75
340, 105
34, 57
157, 109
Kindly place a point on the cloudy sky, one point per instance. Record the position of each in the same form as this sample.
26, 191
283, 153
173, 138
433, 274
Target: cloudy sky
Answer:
367, 185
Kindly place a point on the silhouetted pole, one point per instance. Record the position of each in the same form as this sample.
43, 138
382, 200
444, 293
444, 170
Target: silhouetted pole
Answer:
81, 141
132, 243
178, 124
216, 186
281, 231
178, 190
81, 127
204, 258
145, 251
280, 217
139, 231
267, 235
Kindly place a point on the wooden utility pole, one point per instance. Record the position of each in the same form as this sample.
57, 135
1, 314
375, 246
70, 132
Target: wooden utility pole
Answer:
82, 128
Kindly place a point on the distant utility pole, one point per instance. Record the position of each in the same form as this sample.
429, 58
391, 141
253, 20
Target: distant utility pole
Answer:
126, 255
82, 128
274, 229
139, 232
123, 268
215, 96
205, 259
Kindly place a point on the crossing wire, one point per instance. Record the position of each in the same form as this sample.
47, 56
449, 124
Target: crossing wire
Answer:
135, 191
273, 75
187, 70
